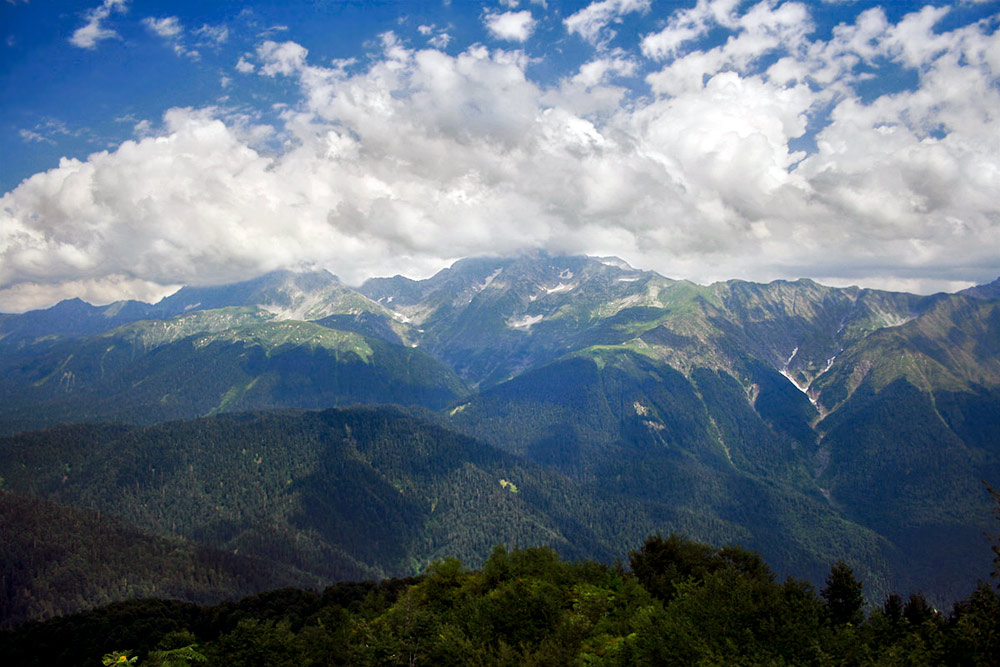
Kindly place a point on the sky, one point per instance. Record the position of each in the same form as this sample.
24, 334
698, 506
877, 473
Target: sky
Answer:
148, 145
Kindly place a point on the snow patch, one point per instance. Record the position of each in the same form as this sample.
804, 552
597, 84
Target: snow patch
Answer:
191, 306
490, 278
628, 280
303, 304
525, 322
566, 274
829, 365
894, 320
804, 388
561, 287
615, 262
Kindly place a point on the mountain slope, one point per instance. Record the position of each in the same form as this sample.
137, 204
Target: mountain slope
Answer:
56, 560
216, 360
811, 422
691, 452
912, 427
286, 295
342, 494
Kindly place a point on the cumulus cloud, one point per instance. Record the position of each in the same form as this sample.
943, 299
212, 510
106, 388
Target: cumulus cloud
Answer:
244, 66
510, 26
87, 36
439, 39
591, 22
285, 58
687, 25
417, 157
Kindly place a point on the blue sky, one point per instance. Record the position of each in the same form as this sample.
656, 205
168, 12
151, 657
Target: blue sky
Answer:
153, 144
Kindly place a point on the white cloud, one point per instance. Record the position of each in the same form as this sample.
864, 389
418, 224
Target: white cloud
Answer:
285, 58
167, 27
591, 21
93, 31
244, 66
217, 34
510, 26
687, 25
46, 129
417, 157
28, 296
143, 129
32, 136
440, 40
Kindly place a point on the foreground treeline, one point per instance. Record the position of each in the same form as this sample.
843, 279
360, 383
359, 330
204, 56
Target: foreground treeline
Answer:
679, 603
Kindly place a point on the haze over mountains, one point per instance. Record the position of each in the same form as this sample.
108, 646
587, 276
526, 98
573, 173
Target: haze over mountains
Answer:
573, 401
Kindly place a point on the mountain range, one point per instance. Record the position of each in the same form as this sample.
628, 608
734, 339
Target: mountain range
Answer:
571, 401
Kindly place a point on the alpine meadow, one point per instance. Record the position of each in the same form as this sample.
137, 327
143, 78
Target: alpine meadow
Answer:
523, 332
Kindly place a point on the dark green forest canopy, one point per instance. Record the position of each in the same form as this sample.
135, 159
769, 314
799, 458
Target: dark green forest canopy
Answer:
312, 498
680, 603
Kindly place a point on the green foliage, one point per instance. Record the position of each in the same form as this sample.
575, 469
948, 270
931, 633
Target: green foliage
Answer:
299, 498
529, 607
175, 657
843, 598
56, 560
664, 564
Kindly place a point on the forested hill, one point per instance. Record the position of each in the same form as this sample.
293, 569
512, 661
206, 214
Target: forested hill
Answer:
679, 603
348, 494
55, 560
575, 402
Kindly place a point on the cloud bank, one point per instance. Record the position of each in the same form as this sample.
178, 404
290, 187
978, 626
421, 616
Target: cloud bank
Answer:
418, 157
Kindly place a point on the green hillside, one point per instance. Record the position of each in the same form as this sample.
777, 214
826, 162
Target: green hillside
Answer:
213, 361
343, 494
55, 560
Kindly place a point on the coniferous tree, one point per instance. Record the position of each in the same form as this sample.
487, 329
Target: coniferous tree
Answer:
842, 595
892, 609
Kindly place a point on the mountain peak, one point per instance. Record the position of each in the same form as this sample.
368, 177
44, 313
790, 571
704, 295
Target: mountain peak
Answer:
987, 291
616, 262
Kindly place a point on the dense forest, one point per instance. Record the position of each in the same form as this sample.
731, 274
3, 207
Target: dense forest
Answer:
678, 602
